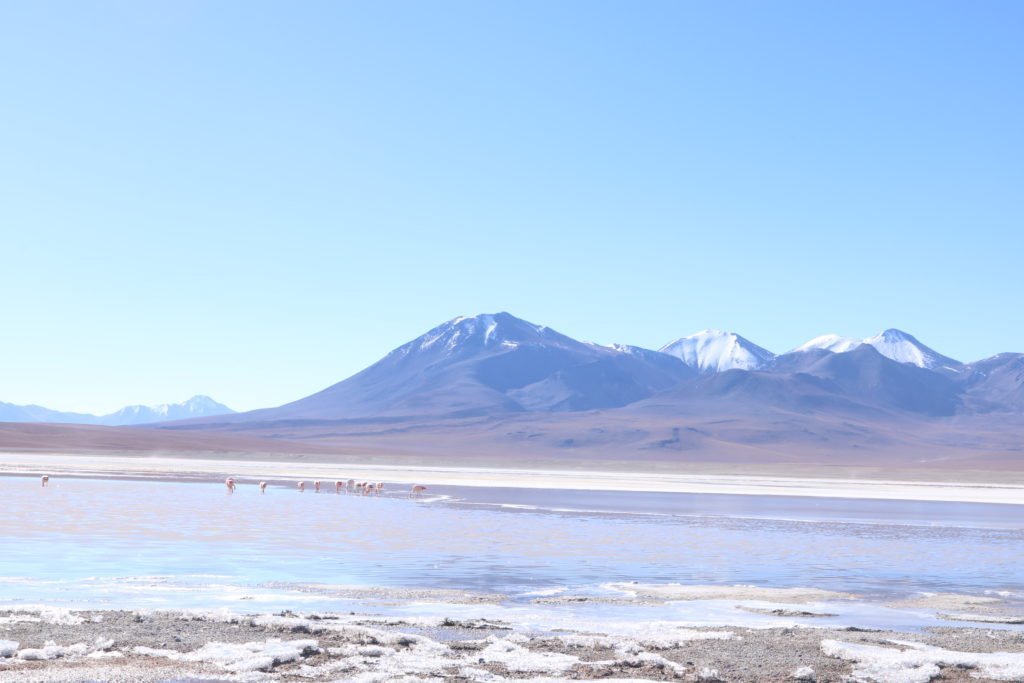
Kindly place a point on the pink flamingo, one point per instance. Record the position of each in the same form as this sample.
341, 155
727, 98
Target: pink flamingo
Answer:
379, 487
417, 489
45, 479
302, 486
351, 484
263, 487
337, 486
230, 483
316, 485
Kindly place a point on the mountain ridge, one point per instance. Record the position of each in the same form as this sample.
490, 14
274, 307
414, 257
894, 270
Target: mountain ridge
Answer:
492, 365
196, 406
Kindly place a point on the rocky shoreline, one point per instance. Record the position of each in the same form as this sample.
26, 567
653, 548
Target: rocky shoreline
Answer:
165, 646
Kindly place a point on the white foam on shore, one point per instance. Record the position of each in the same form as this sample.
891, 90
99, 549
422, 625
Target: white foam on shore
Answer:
919, 663
240, 657
675, 591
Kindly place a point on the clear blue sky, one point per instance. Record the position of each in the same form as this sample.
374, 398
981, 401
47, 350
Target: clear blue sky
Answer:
254, 200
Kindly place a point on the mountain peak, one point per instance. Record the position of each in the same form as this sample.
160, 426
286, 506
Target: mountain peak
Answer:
484, 331
717, 351
903, 347
893, 335
892, 343
199, 405
830, 342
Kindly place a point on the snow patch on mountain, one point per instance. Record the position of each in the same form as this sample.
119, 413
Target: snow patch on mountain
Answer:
481, 331
905, 348
712, 351
830, 342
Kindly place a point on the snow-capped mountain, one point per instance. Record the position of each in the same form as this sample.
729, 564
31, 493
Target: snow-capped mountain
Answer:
905, 348
830, 342
892, 343
465, 335
500, 366
197, 406
488, 364
713, 351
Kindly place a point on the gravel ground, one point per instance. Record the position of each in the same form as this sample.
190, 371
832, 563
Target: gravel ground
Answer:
196, 647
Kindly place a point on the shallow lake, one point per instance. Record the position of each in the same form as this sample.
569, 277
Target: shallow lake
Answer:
122, 543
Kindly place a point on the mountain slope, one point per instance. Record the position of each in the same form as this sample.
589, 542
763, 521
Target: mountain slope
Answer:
867, 376
10, 412
995, 384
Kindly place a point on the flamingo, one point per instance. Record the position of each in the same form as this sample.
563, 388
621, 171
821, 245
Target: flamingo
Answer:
338, 485
263, 487
45, 479
351, 483
379, 487
417, 489
302, 486
316, 485
230, 483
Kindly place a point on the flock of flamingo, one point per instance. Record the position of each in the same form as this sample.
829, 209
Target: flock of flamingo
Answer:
365, 488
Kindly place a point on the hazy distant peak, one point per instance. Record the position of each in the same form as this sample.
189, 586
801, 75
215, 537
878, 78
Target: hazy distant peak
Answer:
717, 351
197, 406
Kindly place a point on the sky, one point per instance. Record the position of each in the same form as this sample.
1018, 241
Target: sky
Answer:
254, 200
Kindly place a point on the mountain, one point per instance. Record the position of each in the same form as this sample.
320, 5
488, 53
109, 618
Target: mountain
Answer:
497, 389
867, 376
861, 383
892, 343
830, 342
197, 406
996, 383
712, 351
10, 412
487, 365
905, 348
494, 366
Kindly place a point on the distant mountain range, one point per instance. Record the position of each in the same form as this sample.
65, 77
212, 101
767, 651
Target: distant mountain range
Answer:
489, 365
197, 406
501, 388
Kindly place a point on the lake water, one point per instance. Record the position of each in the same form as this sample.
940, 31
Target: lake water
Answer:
117, 543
